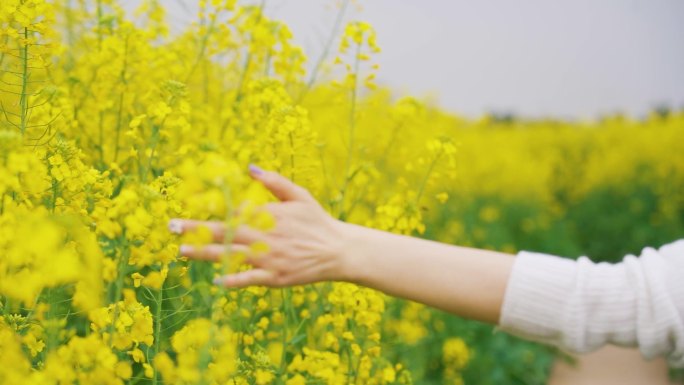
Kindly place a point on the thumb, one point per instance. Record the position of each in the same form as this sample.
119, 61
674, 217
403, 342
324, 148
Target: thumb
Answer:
283, 188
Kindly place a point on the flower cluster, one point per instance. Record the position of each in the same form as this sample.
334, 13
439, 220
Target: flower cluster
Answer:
110, 125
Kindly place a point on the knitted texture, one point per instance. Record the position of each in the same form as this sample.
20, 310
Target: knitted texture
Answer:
580, 305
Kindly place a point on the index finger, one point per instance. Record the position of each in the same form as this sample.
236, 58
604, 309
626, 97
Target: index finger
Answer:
182, 226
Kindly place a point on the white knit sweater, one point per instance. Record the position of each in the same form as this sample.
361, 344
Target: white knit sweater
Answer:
580, 305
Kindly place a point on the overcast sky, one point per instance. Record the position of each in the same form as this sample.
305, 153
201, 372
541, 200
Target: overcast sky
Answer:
563, 58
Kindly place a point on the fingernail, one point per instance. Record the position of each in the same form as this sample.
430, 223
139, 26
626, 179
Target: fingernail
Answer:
185, 249
176, 226
218, 281
255, 170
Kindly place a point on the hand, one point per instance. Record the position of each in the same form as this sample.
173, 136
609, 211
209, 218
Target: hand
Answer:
304, 246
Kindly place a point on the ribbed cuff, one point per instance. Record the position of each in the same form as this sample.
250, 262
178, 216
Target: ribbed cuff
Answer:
534, 299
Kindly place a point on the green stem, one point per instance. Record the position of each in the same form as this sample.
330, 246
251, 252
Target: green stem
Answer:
292, 160
51, 337
157, 328
427, 177
118, 284
154, 141
99, 25
70, 35
326, 51
3, 55
244, 73
390, 145
118, 288
23, 98
203, 48
285, 309
119, 117
54, 195
326, 179
101, 139
350, 364
352, 126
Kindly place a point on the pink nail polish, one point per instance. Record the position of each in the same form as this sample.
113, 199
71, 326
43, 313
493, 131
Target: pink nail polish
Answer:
176, 226
185, 249
255, 170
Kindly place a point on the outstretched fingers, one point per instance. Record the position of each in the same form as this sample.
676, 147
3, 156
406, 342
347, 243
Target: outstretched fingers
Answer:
283, 188
212, 252
253, 277
182, 226
270, 267
241, 235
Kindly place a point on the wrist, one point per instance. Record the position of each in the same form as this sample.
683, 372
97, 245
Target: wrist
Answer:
352, 258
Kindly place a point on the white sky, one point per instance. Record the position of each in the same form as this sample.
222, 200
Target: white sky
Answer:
563, 58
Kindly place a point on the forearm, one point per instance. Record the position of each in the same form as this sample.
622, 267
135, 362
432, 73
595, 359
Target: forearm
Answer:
544, 298
464, 281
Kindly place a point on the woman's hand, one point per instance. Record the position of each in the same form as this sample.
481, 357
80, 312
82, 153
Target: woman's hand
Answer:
308, 245
305, 245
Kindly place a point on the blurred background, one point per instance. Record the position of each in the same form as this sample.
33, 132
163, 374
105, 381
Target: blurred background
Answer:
574, 59
554, 127
570, 145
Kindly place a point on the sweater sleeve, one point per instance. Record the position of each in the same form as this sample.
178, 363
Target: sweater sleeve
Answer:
580, 305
